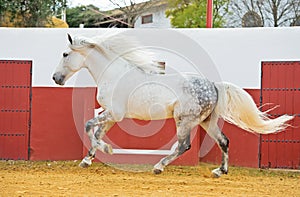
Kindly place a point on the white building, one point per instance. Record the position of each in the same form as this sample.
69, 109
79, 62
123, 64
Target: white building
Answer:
155, 17
152, 15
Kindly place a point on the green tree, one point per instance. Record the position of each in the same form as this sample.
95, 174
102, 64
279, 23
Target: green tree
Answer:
192, 13
28, 13
87, 15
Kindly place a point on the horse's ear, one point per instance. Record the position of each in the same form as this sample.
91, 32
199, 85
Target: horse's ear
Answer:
70, 39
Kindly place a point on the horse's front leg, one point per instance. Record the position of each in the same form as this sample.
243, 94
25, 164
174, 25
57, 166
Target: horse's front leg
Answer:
104, 122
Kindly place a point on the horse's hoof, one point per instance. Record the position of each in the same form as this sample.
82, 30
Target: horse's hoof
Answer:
83, 165
216, 173
157, 171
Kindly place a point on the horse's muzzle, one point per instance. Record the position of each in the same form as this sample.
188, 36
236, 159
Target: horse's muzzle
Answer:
59, 78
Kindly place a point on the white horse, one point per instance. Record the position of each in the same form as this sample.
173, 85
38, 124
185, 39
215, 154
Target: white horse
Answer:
131, 85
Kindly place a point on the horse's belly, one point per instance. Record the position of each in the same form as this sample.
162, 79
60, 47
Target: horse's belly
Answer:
150, 112
151, 103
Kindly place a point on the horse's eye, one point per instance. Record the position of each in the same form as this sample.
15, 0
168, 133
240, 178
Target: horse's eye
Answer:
65, 54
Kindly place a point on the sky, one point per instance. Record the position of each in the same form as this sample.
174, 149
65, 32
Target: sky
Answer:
102, 4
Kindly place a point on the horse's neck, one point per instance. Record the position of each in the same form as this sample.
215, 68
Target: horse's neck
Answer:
106, 69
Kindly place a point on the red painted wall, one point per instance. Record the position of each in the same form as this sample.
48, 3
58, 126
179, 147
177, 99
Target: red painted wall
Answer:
280, 85
15, 87
160, 140
59, 114
53, 132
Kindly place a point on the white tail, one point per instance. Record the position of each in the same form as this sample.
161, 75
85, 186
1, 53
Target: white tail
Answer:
236, 106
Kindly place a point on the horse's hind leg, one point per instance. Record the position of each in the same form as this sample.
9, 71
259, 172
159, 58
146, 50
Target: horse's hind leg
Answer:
104, 123
213, 130
184, 128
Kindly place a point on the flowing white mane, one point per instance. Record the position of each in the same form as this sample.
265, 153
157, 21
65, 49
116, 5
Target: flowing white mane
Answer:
127, 48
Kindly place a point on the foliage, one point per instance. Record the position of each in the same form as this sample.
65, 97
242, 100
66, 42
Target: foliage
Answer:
87, 15
57, 23
192, 13
28, 13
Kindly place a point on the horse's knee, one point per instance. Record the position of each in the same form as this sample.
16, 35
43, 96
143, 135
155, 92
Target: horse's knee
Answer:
89, 125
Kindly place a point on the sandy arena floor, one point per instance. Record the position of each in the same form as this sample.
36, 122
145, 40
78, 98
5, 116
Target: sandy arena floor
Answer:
67, 179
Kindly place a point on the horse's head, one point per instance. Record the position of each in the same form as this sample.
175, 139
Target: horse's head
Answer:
72, 60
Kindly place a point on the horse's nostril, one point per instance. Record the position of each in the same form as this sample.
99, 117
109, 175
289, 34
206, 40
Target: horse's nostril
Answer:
58, 78
54, 76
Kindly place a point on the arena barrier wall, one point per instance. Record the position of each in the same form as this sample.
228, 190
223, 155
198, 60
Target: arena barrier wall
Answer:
15, 108
281, 85
57, 133
53, 132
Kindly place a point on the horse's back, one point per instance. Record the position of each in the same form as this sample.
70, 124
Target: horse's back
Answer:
157, 98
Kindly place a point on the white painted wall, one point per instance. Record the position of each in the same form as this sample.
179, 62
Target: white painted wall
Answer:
159, 19
232, 55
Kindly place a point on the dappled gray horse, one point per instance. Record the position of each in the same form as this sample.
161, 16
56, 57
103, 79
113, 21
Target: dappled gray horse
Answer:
131, 85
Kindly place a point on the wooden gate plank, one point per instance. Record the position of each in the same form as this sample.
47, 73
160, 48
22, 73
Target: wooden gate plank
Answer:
281, 86
15, 88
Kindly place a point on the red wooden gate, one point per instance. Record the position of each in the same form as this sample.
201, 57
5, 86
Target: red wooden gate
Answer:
15, 108
281, 86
